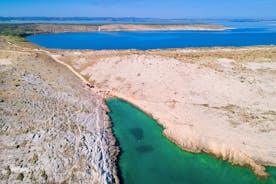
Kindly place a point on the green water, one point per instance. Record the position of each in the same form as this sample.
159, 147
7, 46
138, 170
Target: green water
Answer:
147, 157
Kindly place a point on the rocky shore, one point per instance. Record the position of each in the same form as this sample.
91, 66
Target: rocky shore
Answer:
54, 129
218, 100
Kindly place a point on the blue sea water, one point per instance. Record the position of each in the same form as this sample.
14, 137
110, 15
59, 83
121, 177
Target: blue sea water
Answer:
145, 40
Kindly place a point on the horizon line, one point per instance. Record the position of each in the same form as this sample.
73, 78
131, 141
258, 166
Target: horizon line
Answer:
188, 18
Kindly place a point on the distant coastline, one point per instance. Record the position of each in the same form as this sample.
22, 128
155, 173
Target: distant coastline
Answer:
23, 30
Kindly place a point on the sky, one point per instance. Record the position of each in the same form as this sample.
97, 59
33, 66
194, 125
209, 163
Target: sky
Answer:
141, 8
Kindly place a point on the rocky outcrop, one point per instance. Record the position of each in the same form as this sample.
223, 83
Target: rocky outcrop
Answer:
52, 129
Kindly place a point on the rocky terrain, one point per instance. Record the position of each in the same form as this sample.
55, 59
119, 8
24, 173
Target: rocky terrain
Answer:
218, 100
53, 129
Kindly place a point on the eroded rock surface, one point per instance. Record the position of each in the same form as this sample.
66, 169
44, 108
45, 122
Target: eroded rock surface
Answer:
52, 129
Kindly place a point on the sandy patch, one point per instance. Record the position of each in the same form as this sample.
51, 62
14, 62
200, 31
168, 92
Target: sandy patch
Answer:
260, 66
5, 62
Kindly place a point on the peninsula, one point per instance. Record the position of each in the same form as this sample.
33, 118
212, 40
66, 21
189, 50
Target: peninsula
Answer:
29, 29
218, 100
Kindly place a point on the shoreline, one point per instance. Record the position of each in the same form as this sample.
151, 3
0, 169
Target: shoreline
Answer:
108, 144
89, 161
262, 175
119, 177
257, 168
117, 151
105, 96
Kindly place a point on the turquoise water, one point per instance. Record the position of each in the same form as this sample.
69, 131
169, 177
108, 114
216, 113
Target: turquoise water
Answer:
145, 40
147, 157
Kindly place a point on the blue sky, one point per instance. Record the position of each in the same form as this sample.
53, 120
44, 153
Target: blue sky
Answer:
141, 8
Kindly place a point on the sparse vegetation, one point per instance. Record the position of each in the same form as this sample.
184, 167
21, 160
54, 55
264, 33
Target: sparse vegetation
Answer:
15, 30
34, 159
31, 175
8, 170
44, 175
20, 177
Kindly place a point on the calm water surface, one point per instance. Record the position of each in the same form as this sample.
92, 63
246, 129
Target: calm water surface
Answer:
145, 40
148, 157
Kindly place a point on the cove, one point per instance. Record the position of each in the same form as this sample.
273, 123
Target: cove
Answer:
144, 40
147, 157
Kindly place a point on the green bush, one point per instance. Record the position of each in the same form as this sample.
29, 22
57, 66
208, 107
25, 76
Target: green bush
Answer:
20, 177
